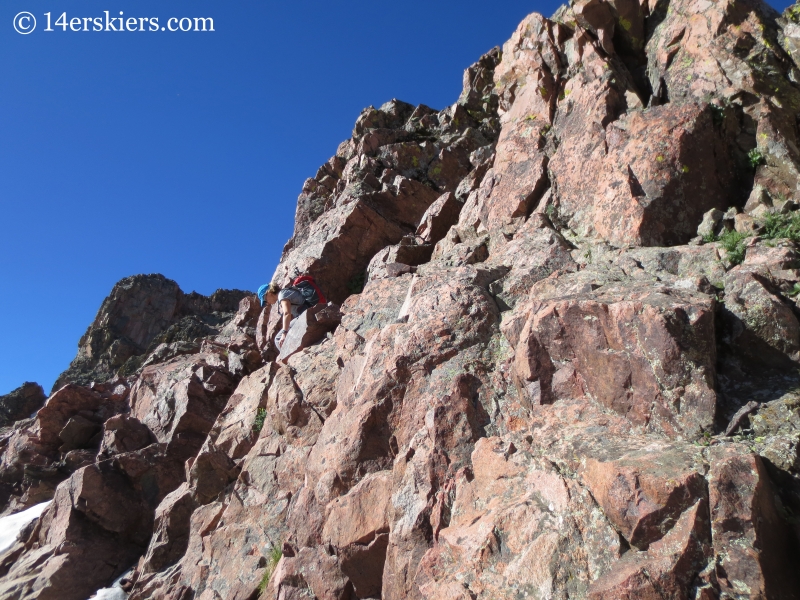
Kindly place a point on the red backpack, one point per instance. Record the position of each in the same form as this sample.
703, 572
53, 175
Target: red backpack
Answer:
306, 285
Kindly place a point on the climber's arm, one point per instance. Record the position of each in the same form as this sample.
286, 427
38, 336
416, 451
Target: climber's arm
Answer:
286, 312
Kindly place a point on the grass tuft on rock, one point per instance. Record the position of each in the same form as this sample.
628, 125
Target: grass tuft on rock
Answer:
733, 242
755, 158
273, 558
261, 416
782, 226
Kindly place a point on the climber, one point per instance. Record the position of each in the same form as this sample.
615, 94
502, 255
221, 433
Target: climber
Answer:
292, 301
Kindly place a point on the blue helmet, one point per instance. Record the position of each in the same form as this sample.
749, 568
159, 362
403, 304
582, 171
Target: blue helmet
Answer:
262, 292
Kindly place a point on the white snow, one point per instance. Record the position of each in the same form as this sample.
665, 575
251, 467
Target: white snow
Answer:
110, 594
115, 592
11, 526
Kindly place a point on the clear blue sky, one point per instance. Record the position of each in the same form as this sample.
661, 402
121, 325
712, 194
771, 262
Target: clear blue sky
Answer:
184, 153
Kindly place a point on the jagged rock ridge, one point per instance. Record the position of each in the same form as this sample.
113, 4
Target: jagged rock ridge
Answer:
571, 371
141, 313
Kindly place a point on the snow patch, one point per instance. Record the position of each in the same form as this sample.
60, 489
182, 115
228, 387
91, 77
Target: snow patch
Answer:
115, 592
11, 526
110, 594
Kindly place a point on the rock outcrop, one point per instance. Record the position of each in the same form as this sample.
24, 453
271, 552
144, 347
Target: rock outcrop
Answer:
21, 403
562, 360
141, 313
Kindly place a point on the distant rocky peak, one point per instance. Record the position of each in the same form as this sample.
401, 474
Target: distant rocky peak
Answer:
141, 312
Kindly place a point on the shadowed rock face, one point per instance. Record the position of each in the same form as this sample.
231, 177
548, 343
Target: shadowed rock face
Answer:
539, 382
21, 403
142, 312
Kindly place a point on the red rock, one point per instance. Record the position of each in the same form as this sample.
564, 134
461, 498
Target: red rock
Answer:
59, 408
233, 432
361, 515
77, 459
518, 178
72, 546
239, 338
309, 328
77, 433
775, 258
625, 346
317, 195
398, 259
107, 499
124, 433
535, 252
377, 306
705, 53
438, 218
262, 333
21, 403
384, 191
31, 452
149, 586
668, 569
179, 400
453, 251
210, 472
438, 448
641, 497
311, 572
358, 525
751, 543
760, 325
171, 531
99, 522
228, 555
477, 83
352, 232
597, 17
363, 565
509, 530
652, 157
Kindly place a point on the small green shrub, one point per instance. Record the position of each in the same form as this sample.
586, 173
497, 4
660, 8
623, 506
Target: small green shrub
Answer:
273, 558
261, 416
782, 226
755, 158
733, 242
794, 291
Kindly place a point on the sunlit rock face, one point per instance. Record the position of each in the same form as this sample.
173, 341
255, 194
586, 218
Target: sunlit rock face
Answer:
559, 358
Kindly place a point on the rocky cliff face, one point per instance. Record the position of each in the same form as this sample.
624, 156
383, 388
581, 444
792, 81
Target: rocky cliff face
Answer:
564, 363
